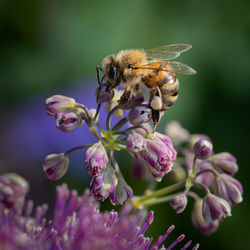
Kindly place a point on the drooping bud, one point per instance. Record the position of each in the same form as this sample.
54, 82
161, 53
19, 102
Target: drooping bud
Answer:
229, 189
13, 189
121, 193
102, 185
215, 208
59, 103
130, 100
56, 165
203, 149
135, 142
179, 203
96, 159
68, 121
104, 94
139, 115
177, 133
199, 221
225, 162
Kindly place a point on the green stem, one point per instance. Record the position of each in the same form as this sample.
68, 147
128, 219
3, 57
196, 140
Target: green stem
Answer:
108, 121
159, 200
119, 124
94, 132
97, 111
77, 148
140, 200
83, 108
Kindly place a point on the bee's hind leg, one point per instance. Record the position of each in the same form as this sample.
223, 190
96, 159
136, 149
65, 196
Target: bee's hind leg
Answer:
155, 118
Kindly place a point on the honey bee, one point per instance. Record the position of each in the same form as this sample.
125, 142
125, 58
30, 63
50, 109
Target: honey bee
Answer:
149, 69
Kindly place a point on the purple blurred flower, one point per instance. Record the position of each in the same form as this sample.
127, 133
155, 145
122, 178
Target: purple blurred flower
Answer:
215, 208
77, 224
59, 103
203, 149
229, 189
136, 142
225, 162
139, 115
199, 222
177, 133
56, 165
13, 189
96, 158
68, 121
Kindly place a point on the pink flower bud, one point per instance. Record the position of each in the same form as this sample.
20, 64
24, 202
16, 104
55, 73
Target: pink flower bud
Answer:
121, 193
67, 122
199, 221
103, 94
59, 103
215, 208
102, 185
56, 165
96, 159
225, 162
136, 142
203, 149
179, 203
229, 189
139, 115
159, 156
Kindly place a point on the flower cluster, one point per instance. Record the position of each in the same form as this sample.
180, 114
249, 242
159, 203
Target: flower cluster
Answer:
77, 222
154, 149
196, 166
208, 171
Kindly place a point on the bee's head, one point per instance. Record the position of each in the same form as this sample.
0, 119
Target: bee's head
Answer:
109, 71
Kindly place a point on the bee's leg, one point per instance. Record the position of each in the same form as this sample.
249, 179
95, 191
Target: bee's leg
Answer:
99, 81
98, 76
155, 118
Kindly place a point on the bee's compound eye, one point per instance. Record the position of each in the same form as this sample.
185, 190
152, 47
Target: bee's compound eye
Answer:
112, 72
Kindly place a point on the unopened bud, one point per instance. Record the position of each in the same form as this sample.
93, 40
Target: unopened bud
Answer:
104, 94
96, 159
121, 193
215, 208
59, 103
199, 221
179, 203
139, 115
102, 185
225, 162
229, 189
203, 149
56, 165
136, 142
67, 122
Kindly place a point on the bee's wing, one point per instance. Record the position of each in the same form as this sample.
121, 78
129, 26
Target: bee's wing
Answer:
172, 67
167, 52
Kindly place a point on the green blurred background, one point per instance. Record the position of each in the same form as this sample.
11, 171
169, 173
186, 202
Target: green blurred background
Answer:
49, 45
